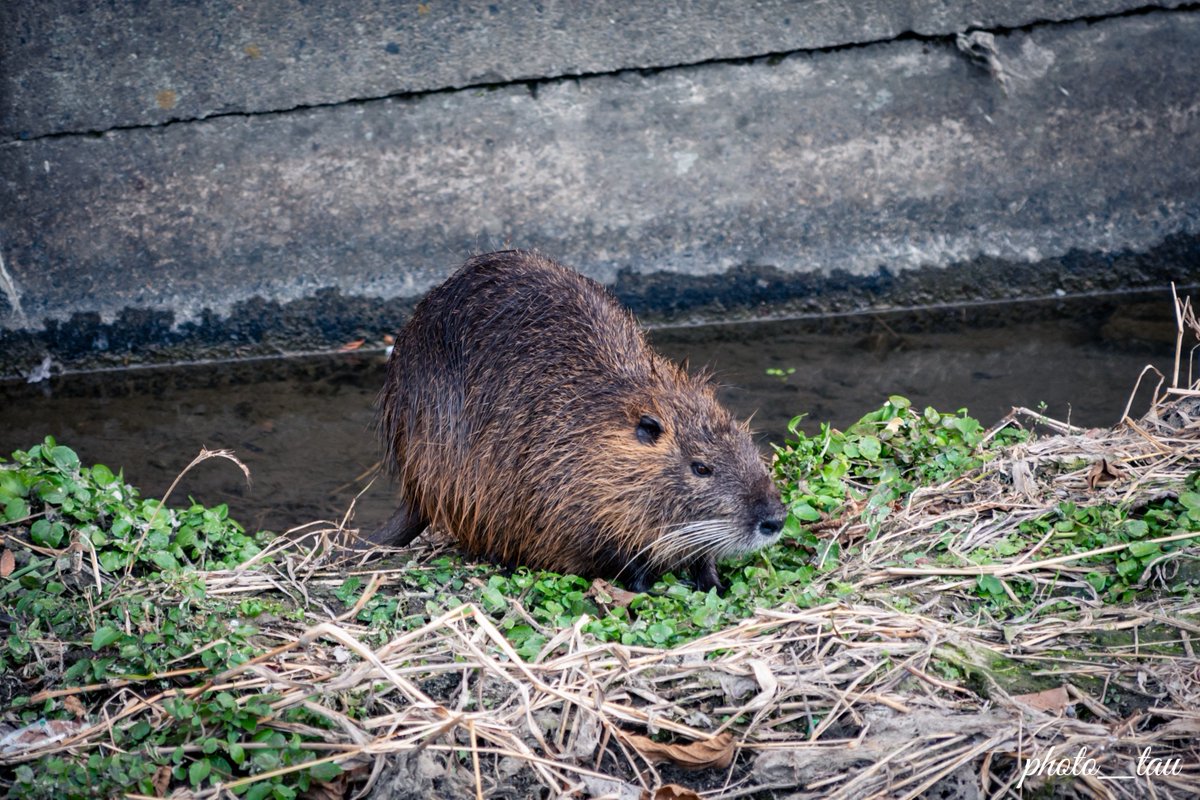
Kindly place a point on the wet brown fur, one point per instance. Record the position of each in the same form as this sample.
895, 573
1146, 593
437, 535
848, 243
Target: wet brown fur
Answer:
514, 416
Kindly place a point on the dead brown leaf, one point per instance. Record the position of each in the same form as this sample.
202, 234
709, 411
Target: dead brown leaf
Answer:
162, 780
702, 754
672, 791
337, 789
71, 703
1053, 701
7, 563
607, 595
41, 734
1023, 479
1103, 472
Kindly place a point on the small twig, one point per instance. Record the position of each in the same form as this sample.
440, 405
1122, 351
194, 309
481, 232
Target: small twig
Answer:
475, 760
1175, 305
1137, 385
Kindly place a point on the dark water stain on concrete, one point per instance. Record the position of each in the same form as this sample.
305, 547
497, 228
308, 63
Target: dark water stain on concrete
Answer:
327, 319
303, 425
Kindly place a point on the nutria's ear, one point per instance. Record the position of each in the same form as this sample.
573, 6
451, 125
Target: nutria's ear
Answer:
648, 429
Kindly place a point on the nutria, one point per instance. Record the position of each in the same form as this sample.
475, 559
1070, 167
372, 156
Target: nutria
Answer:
525, 414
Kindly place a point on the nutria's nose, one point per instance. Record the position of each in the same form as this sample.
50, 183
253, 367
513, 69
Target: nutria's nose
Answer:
770, 514
770, 527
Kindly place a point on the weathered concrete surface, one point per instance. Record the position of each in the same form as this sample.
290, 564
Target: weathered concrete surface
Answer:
70, 66
858, 168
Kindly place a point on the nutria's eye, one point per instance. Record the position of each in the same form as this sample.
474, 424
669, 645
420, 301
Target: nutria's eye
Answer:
648, 430
701, 469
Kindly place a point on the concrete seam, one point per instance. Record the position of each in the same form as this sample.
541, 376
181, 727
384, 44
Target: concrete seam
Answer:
532, 82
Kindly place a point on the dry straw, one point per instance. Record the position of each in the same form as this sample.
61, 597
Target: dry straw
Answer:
906, 691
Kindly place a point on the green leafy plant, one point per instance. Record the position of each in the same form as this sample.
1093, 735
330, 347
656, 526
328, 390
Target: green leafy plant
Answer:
781, 373
1125, 538
117, 583
111, 583
878, 460
47, 487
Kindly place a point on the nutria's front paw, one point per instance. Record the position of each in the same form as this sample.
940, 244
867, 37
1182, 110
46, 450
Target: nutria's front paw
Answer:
638, 586
704, 573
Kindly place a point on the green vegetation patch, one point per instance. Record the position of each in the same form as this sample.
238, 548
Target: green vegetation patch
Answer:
1126, 553
108, 593
880, 459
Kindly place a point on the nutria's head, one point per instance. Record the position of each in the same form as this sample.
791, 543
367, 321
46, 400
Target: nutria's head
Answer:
694, 485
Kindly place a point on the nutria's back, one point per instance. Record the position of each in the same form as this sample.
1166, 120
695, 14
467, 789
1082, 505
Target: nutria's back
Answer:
525, 414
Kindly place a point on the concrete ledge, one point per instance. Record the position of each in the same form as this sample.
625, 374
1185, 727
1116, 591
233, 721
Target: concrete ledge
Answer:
328, 320
1068, 144
75, 67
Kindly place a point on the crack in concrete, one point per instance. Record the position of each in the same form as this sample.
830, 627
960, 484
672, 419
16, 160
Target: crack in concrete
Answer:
532, 82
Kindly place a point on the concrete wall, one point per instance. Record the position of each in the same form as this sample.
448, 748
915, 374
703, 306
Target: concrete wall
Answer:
192, 179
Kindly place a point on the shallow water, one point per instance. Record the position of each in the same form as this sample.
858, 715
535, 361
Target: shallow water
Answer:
303, 425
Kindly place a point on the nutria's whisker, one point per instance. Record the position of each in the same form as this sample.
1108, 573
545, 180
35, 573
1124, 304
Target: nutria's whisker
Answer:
715, 543
692, 527
715, 533
692, 539
670, 538
665, 548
